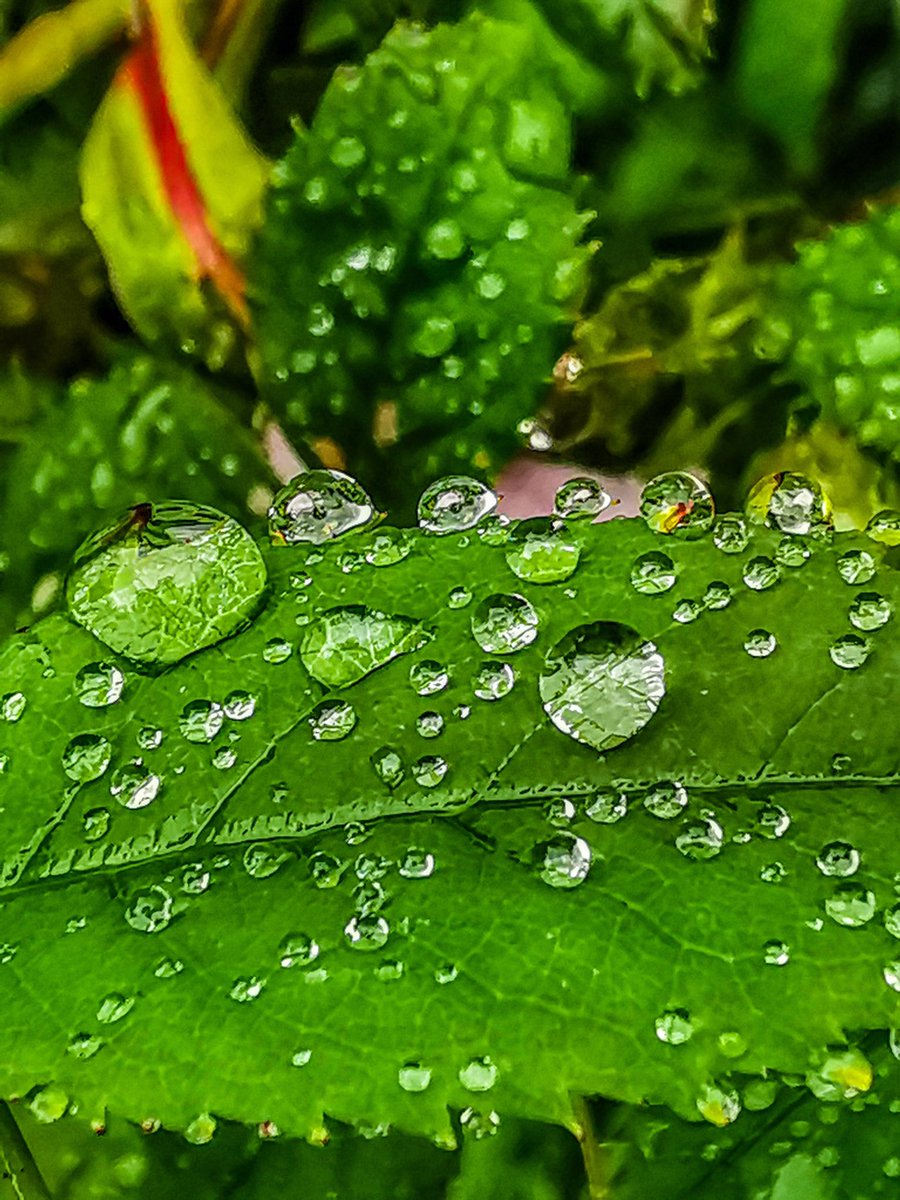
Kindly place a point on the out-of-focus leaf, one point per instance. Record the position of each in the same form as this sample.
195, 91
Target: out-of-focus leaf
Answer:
421, 254
517, 1160
786, 63
172, 191
109, 443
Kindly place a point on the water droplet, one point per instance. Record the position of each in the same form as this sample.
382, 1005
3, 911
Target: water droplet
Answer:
602, 683
653, 573
166, 580
559, 811
429, 724
772, 821
195, 879
201, 720
580, 499
416, 864
388, 546
298, 950
686, 611
761, 573
892, 920
776, 953
277, 650
239, 705
772, 872
224, 758
429, 770
856, 566
346, 644
454, 504
389, 971
870, 611
86, 757
263, 859
247, 988
891, 974
666, 800
388, 766
96, 824
149, 738
332, 720
413, 1077
99, 684
849, 651
114, 1007
84, 1045
851, 904
537, 551
677, 503
791, 503
150, 909
699, 839
493, 680
367, 931
759, 643
428, 677
731, 534
316, 507
459, 597
300, 1058
717, 595
326, 870
606, 807
12, 705
838, 858
134, 785
720, 1106
476, 1125
884, 527
478, 1075
504, 624
564, 861
446, 973
674, 1026
792, 552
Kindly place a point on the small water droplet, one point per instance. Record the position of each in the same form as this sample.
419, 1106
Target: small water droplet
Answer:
429, 770
731, 534
388, 766
150, 909
332, 720
851, 904
428, 677
718, 1105
884, 527
772, 821
84, 1045
849, 651
686, 611
602, 683
776, 953
388, 546
792, 552
870, 611
677, 503
239, 705
717, 595
86, 757
326, 870
96, 824
493, 680
856, 566
790, 502
99, 684
761, 573
479, 1074
367, 931
476, 1125
224, 758
12, 705
559, 811
300, 1058
277, 650
150, 737
606, 807
413, 1077
201, 720
666, 800
298, 950
838, 858
429, 724
699, 839
564, 861
195, 879
446, 973
454, 504
504, 624
674, 1026
772, 872
263, 859
539, 551
580, 499
459, 597
653, 573
416, 864
760, 643
247, 988
113, 1007
892, 920
317, 506
134, 785
168, 968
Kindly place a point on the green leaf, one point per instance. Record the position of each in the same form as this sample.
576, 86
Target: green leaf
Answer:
148, 426
388, 942
420, 254
834, 322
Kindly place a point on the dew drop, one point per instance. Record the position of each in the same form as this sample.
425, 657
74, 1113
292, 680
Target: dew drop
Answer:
892, 920
653, 573
493, 680
459, 597
838, 858
731, 534
150, 909
326, 870
720, 1106
429, 770
134, 785
686, 611
478, 1075
263, 859
856, 566
602, 683
332, 720
776, 953
388, 766
677, 503
539, 552
114, 1007
580, 499
277, 650
416, 864
699, 839
367, 931
674, 1026
86, 757
96, 824
149, 737
717, 595
247, 988
428, 677
200, 1131
429, 724
559, 811
239, 705
195, 879
789, 502
298, 950
388, 546
760, 643
606, 807
772, 821
12, 705
476, 1125
201, 720
316, 507
166, 580
504, 623
869, 611
84, 1045
666, 800
99, 684
564, 861
454, 504
413, 1077
792, 552
851, 904
347, 643
884, 527
300, 1058
849, 651
761, 573
224, 758
772, 872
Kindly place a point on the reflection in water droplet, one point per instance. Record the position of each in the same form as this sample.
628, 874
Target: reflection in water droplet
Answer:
493, 680
332, 720
413, 1077
717, 595
367, 931
86, 757
849, 651
856, 566
776, 953
606, 807
201, 720
504, 624
239, 705
388, 546
277, 650
838, 858
317, 506
564, 861
429, 770
478, 1075
538, 551
870, 611
581, 498
653, 573
666, 800
388, 766
454, 504
731, 534
298, 950
759, 643
790, 502
99, 684
429, 724
602, 683
173, 558
326, 871
263, 859
428, 677
851, 904
347, 643
718, 1105
674, 1026
96, 824
761, 573
150, 909
679, 504
134, 785
12, 705
459, 597
686, 611
699, 839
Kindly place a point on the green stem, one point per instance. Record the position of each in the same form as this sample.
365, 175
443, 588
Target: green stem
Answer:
596, 1161
20, 1178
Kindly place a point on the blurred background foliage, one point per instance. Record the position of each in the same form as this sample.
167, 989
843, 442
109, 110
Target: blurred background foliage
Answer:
422, 236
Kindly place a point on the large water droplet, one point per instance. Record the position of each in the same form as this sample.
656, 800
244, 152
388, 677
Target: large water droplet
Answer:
504, 624
454, 504
849, 651
677, 503
851, 904
346, 644
86, 757
150, 909
332, 720
317, 506
870, 611
537, 551
166, 580
653, 573
580, 499
602, 683
564, 861
99, 684
791, 503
